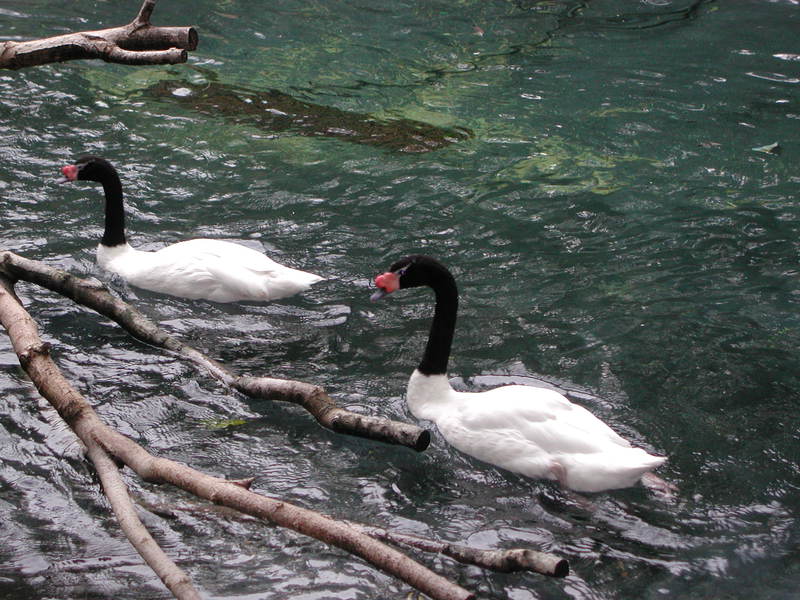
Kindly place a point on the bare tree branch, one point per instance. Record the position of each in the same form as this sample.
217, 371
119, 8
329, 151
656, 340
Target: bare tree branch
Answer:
34, 356
143, 18
137, 43
311, 397
176, 580
504, 561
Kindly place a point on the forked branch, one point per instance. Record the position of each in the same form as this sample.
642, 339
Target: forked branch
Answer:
34, 356
137, 43
176, 580
102, 441
311, 397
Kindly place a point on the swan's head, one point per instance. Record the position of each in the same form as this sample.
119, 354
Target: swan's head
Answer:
412, 271
87, 168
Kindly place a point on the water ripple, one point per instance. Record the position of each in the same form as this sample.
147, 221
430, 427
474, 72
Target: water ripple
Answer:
612, 229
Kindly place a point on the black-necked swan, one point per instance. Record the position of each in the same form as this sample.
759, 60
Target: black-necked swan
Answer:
533, 431
197, 269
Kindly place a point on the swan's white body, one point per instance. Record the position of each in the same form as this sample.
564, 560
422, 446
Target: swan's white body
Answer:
205, 269
536, 432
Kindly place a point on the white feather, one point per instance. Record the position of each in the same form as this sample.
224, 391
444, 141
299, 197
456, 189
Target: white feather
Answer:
205, 269
536, 432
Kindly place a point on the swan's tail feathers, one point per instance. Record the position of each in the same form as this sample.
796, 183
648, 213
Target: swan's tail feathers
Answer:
304, 279
610, 470
310, 278
290, 282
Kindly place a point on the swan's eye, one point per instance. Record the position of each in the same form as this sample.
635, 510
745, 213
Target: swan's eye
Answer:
402, 271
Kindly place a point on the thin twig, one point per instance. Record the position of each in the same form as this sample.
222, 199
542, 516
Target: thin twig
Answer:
143, 18
504, 561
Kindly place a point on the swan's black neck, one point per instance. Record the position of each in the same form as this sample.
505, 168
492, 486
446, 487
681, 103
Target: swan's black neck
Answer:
114, 234
95, 168
440, 338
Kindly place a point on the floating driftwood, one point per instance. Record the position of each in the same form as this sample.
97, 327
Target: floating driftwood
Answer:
277, 112
137, 43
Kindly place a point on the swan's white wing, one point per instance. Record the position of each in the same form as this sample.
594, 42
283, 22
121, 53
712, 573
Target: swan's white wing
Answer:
244, 273
210, 250
539, 433
211, 269
541, 416
172, 273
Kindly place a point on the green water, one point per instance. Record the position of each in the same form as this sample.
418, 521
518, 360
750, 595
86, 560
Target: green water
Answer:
587, 169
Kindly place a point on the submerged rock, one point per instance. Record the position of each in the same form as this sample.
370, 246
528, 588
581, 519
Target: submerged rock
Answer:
276, 112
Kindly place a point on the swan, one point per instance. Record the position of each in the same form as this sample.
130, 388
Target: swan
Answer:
205, 269
533, 431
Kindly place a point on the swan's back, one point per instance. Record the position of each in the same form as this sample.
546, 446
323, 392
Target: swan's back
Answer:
206, 269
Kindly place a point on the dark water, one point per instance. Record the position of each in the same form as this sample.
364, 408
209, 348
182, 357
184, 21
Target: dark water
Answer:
589, 170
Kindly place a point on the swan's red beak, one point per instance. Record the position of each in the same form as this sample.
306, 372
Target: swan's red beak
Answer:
387, 283
70, 174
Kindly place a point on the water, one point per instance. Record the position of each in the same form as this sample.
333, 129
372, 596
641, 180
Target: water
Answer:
594, 183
